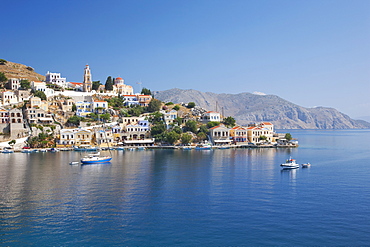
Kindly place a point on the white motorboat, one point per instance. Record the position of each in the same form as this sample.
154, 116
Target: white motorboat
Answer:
290, 164
306, 165
95, 158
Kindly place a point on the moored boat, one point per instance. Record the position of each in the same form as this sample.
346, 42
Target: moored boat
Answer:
7, 151
290, 164
203, 147
95, 158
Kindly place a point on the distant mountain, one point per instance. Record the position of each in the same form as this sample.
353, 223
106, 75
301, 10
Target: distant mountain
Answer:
17, 70
250, 108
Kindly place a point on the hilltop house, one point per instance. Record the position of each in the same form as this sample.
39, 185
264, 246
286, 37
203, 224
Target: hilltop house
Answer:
55, 78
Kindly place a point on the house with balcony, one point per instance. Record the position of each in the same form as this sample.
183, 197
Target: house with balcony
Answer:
239, 135
83, 108
104, 137
99, 106
220, 135
135, 134
66, 138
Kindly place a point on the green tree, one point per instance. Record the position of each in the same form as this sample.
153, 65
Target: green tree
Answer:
212, 124
3, 61
156, 118
74, 120
25, 84
136, 111
109, 84
115, 102
39, 94
172, 137
146, 91
95, 85
263, 138
154, 105
3, 78
157, 131
191, 125
201, 136
186, 138
12, 142
104, 117
203, 128
176, 107
177, 129
74, 107
190, 105
288, 136
229, 121
169, 103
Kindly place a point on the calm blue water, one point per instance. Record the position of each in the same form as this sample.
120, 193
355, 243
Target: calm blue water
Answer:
192, 198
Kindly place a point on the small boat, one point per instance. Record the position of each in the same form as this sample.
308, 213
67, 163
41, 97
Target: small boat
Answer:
43, 150
187, 148
306, 165
27, 151
53, 150
203, 147
290, 164
95, 158
120, 148
74, 163
223, 147
7, 151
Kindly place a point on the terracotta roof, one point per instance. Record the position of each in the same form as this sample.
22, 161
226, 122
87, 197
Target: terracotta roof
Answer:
76, 83
266, 123
119, 78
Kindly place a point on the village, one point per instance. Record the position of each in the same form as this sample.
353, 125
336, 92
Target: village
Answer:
87, 115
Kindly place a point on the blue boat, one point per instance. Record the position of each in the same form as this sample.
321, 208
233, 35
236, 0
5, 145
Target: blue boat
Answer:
7, 151
95, 159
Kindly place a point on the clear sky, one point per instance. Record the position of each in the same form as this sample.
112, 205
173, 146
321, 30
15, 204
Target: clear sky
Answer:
312, 53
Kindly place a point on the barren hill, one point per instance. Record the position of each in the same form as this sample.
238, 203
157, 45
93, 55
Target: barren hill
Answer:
250, 108
21, 71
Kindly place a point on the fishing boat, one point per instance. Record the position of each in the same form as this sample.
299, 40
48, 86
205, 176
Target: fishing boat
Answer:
290, 164
95, 158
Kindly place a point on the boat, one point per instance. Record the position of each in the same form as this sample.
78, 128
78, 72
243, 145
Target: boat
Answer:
203, 147
141, 148
85, 147
43, 150
290, 164
306, 165
74, 163
7, 151
223, 147
120, 148
27, 151
95, 158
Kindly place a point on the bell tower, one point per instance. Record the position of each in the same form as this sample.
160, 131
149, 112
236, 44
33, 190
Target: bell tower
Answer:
87, 84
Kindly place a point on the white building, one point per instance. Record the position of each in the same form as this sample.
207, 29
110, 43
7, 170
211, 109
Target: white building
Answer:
41, 86
55, 78
211, 116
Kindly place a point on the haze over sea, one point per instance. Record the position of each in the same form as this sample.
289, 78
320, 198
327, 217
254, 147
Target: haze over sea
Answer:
192, 198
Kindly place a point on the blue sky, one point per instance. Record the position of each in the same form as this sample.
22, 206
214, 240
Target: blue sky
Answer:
312, 53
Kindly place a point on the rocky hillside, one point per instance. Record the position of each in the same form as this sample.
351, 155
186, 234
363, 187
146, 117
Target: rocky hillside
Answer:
249, 108
16, 70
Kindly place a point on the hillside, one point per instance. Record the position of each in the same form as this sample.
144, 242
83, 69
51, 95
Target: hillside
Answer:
16, 70
249, 108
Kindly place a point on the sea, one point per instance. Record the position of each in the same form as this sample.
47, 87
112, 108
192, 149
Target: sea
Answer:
231, 197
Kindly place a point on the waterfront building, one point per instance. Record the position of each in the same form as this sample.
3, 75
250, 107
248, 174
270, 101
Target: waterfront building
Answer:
55, 78
87, 82
66, 138
104, 137
83, 137
220, 135
239, 135
255, 132
134, 134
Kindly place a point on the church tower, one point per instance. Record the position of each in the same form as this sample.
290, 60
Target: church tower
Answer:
87, 84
